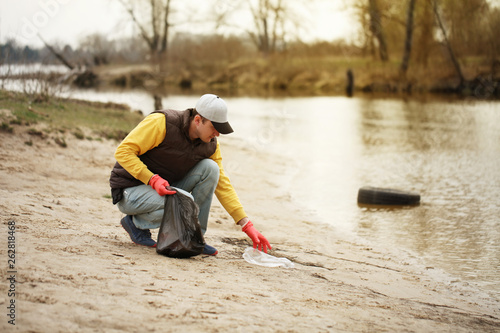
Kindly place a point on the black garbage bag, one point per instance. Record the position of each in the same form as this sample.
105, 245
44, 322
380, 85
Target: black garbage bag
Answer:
180, 231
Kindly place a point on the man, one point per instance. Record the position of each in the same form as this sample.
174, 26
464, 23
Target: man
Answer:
177, 148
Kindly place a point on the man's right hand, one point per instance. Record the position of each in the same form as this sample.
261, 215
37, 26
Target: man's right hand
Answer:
259, 242
160, 185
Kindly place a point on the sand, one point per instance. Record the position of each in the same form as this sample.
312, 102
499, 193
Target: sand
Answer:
76, 269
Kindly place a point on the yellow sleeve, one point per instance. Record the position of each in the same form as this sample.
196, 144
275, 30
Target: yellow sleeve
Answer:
225, 191
149, 133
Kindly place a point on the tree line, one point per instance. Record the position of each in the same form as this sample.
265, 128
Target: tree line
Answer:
412, 35
424, 28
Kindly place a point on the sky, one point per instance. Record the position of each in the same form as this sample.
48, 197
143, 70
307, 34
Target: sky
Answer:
68, 21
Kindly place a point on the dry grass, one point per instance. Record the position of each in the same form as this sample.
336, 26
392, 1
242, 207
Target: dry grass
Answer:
303, 75
112, 121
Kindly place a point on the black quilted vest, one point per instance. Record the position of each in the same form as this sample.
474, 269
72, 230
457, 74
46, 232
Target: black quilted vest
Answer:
171, 159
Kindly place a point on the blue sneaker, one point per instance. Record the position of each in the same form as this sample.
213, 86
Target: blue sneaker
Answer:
138, 236
210, 250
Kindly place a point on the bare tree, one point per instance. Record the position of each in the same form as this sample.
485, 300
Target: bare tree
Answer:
424, 39
377, 29
273, 21
409, 36
453, 58
99, 48
269, 19
155, 30
494, 51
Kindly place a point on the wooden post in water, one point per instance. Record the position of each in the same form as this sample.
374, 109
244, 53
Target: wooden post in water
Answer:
350, 83
158, 102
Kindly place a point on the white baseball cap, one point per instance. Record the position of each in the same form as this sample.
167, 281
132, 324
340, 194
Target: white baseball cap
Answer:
213, 108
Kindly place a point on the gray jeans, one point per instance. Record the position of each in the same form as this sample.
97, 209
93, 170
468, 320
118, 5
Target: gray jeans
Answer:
146, 206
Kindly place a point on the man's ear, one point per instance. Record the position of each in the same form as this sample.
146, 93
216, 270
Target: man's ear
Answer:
197, 119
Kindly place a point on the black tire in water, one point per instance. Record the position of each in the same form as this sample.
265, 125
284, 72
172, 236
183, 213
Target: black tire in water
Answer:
383, 196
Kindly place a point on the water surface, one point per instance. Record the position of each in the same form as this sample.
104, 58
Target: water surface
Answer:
449, 152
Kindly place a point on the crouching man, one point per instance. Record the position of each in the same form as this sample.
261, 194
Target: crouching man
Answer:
173, 151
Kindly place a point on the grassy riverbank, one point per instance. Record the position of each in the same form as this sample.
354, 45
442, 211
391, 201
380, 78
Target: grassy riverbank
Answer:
55, 117
307, 75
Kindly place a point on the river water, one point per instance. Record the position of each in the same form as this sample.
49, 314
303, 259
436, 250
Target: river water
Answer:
447, 151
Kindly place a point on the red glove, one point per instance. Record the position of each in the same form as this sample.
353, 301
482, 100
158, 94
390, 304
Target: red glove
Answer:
160, 185
258, 240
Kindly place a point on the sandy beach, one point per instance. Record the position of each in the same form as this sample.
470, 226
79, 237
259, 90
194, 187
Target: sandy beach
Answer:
76, 269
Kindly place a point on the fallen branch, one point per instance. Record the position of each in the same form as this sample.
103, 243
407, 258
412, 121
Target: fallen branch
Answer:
57, 54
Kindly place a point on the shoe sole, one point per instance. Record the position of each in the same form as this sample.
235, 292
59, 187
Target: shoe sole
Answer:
211, 254
129, 232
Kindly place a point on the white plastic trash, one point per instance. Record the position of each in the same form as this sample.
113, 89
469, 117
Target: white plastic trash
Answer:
257, 257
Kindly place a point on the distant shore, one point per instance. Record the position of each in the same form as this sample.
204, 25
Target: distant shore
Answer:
309, 77
265, 78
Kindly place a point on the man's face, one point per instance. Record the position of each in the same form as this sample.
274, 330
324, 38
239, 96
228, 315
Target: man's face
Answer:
206, 130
